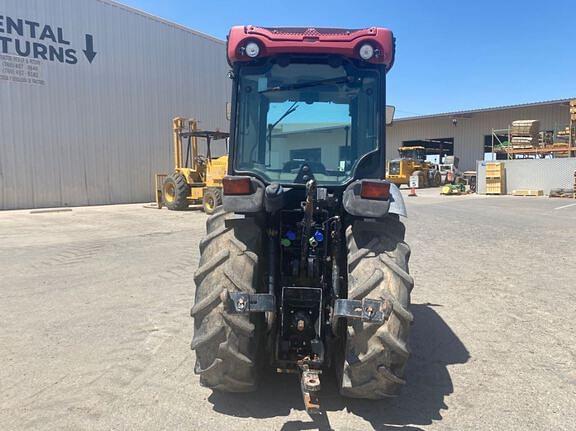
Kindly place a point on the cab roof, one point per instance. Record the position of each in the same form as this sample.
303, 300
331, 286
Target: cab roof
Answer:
411, 148
313, 41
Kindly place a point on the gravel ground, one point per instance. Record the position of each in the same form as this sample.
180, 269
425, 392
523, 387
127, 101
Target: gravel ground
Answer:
95, 326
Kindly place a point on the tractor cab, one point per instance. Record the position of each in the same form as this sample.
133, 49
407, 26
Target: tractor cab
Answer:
412, 153
314, 111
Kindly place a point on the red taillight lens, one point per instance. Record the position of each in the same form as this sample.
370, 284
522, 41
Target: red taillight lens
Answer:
377, 190
236, 186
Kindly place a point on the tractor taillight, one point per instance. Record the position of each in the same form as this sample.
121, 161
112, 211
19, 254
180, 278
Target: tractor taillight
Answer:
376, 190
234, 186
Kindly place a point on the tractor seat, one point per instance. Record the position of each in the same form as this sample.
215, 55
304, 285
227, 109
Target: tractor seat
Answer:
294, 165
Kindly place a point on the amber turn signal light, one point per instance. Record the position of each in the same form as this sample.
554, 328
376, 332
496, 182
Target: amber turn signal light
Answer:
234, 186
376, 190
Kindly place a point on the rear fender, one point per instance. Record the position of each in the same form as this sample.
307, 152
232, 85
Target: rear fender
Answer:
252, 203
355, 205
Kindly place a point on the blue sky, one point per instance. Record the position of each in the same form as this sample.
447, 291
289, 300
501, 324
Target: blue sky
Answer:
451, 55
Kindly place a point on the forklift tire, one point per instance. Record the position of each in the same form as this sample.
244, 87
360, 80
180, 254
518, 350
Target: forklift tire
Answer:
226, 344
175, 192
375, 354
211, 200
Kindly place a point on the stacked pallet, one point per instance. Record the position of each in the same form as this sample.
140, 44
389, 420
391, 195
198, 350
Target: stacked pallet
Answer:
561, 193
547, 138
495, 183
565, 193
525, 133
527, 192
563, 136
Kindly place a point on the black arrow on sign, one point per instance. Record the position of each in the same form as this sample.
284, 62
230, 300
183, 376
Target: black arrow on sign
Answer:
89, 51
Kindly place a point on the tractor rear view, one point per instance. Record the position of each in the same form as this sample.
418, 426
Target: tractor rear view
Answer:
305, 266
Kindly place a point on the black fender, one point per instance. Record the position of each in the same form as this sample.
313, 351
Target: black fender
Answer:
251, 203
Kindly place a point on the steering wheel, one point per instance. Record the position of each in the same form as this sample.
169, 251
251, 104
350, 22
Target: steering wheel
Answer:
201, 160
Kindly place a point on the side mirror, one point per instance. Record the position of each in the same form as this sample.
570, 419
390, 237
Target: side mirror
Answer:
228, 111
390, 114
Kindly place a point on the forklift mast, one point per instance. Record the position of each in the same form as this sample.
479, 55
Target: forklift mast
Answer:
179, 126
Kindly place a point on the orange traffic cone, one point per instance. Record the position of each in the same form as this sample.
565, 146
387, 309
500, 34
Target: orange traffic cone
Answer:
413, 192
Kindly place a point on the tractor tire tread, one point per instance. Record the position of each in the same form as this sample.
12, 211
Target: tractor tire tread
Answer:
207, 267
216, 220
375, 354
210, 237
205, 303
225, 342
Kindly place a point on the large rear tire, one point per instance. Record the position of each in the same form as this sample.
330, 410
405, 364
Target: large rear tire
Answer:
226, 343
375, 354
175, 192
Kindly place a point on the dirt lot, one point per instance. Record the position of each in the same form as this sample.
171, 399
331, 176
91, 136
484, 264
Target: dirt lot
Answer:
95, 327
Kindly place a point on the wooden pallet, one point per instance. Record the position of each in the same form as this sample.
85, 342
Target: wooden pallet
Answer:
158, 182
528, 192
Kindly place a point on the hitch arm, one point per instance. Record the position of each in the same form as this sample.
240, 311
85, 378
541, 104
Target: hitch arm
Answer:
368, 310
252, 302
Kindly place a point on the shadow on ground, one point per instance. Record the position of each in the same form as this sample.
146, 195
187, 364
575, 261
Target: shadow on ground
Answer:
434, 347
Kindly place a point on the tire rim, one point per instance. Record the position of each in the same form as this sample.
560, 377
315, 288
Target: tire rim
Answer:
169, 192
209, 205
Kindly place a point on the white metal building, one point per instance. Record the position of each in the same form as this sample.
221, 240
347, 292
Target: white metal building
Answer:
88, 90
469, 131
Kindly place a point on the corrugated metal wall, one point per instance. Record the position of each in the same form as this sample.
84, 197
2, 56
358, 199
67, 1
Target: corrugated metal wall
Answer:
95, 133
540, 174
469, 132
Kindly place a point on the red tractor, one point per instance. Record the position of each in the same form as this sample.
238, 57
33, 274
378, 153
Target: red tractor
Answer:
305, 265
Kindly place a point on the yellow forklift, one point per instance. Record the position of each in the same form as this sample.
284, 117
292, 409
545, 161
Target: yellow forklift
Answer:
413, 161
197, 178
